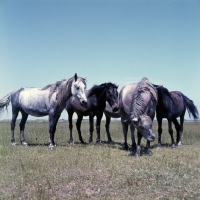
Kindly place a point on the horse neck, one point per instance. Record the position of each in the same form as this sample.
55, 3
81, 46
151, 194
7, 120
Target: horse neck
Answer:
165, 101
64, 92
101, 95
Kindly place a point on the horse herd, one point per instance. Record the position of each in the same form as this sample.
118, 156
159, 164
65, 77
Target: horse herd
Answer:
136, 105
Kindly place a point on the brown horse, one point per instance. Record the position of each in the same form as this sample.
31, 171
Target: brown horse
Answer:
172, 107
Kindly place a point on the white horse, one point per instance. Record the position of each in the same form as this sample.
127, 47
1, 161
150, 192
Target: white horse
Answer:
50, 100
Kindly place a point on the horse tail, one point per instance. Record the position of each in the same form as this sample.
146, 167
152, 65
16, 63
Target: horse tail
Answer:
191, 108
4, 102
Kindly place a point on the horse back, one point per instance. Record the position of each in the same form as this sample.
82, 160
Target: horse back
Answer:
171, 107
35, 101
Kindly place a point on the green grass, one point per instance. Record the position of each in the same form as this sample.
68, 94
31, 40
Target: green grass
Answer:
98, 172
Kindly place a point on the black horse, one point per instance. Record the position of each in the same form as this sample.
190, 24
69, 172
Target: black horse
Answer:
172, 107
96, 103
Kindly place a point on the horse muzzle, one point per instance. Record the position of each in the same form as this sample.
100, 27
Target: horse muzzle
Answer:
84, 104
151, 138
115, 108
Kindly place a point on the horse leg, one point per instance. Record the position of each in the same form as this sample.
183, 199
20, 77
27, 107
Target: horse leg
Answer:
159, 119
78, 126
171, 132
98, 124
148, 150
12, 124
108, 130
139, 136
53, 120
22, 127
178, 129
133, 138
70, 115
125, 130
181, 130
91, 120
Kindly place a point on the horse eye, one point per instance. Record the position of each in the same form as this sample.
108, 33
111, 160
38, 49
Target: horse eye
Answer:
77, 88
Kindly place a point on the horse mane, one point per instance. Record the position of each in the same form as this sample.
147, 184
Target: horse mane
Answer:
138, 102
53, 87
98, 88
162, 93
109, 84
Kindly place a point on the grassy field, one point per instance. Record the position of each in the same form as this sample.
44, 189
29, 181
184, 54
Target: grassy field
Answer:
97, 172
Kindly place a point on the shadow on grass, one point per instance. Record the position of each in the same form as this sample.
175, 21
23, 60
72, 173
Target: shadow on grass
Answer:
162, 145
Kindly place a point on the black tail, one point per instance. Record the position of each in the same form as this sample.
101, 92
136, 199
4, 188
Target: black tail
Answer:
191, 108
4, 102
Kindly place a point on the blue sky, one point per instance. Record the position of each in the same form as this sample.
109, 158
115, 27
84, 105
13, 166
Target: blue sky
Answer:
120, 41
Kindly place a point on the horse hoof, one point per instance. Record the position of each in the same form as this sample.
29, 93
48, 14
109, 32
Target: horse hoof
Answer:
91, 143
158, 145
149, 152
14, 144
173, 146
179, 144
111, 142
126, 148
99, 143
24, 144
51, 146
71, 142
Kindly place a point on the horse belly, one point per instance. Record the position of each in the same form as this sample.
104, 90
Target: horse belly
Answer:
34, 102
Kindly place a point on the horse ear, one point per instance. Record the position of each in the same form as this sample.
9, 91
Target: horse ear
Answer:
75, 77
135, 121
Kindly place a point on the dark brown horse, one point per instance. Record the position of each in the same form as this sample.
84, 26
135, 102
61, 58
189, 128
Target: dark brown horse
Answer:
172, 107
97, 97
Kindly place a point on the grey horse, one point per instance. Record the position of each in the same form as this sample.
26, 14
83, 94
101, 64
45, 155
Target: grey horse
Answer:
38, 102
137, 105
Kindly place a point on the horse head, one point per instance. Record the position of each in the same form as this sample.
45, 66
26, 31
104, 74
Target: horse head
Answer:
112, 96
144, 126
78, 89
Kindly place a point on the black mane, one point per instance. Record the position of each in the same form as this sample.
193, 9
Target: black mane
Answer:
97, 89
162, 93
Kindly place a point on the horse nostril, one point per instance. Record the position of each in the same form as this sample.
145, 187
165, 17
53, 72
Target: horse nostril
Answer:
115, 109
84, 103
